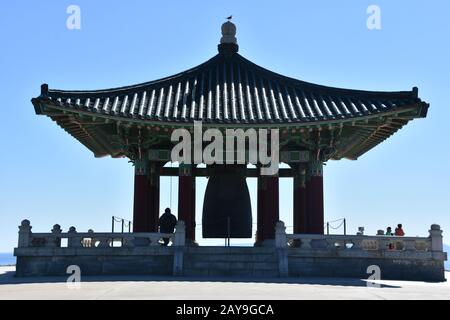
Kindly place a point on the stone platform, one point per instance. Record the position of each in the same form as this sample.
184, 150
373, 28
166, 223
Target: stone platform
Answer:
298, 255
232, 261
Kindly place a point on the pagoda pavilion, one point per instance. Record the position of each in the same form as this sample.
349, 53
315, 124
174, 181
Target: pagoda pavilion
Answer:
316, 123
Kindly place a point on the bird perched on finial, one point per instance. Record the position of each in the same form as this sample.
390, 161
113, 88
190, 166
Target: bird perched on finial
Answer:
230, 17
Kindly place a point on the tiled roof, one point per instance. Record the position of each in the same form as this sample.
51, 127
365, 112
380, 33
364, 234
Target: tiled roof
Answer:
230, 89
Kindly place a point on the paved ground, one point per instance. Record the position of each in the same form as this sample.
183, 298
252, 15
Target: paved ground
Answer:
217, 288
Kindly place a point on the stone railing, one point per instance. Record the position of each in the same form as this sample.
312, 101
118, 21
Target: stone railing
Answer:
431, 243
91, 239
99, 251
420, 258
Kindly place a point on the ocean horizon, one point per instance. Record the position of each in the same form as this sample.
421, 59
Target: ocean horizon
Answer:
7, 258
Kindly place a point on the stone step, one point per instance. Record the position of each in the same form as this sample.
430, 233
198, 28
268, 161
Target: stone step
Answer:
230, 257
230, 265
230, 250
231, 261
228, 272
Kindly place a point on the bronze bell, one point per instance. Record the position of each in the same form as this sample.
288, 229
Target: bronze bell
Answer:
227, 209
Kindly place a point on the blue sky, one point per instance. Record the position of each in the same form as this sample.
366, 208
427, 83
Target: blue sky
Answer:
49, 177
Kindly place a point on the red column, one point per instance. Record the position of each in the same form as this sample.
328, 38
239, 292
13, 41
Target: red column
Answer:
300, 201
261, 209
140, 209
154, 176
268, 208
146, 197
186, 200
141, 192
315, 199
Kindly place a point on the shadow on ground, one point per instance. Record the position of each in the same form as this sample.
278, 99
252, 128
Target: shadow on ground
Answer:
9, 277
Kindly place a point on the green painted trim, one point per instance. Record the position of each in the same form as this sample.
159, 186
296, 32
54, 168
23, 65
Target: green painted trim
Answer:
315, 168
294, 156
141, 167
307, 125
349, 150
159, 155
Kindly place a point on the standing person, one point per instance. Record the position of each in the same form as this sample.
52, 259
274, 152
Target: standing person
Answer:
399, 230
167, 223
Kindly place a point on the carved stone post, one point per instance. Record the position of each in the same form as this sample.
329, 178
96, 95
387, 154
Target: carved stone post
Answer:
73, 240
436, 238
281, 245
24, 234
179, 242
180, 234
55, 241
280, 235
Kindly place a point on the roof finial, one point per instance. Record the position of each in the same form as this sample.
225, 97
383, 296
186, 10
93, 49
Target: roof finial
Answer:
228, 32
228, 42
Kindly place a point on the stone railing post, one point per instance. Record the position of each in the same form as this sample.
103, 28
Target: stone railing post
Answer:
280, 235
127, 241
55, 241
180, 234
436, 238
281, 245
90, 241
24, 234
179, 243
73, 241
